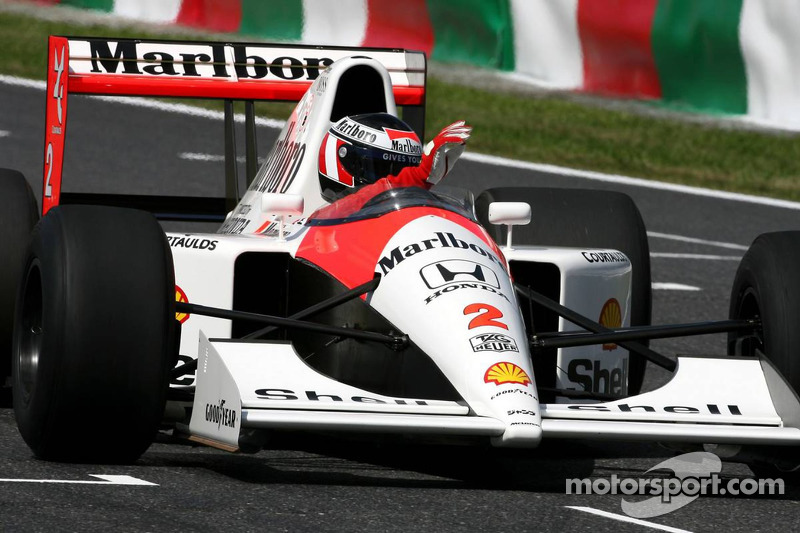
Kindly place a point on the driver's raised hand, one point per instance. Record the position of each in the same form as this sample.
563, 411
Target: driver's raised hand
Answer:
441, 153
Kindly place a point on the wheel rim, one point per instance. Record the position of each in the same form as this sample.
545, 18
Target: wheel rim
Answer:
748, 309
31, 334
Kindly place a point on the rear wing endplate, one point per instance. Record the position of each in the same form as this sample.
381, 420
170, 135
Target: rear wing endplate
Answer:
228, 71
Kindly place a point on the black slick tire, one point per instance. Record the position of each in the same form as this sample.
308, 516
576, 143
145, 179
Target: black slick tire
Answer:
94, 329
18, 216
767, 286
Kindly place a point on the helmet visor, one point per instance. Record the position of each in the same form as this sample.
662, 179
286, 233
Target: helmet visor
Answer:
368, 164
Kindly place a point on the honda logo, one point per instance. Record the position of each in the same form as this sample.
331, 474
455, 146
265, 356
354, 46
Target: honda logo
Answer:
442, 273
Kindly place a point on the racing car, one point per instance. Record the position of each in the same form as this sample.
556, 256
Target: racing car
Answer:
426, 314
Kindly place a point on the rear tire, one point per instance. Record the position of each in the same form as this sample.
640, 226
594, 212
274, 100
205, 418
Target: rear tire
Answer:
18, 216
93, 338
584, 218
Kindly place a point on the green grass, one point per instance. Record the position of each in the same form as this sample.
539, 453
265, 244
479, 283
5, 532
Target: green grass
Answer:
546, 129
558, 131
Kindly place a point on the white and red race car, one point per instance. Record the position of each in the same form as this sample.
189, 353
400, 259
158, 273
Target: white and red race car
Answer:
420, 314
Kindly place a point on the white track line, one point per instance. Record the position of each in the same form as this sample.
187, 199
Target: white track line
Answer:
22, 82
211, 158
666, 286
4, 133
693, 240
188, 110
196, 156
709, 257
104, 480
628, 519
479, 158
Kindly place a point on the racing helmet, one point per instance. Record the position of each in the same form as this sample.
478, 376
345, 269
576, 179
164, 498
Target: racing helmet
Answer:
361, 149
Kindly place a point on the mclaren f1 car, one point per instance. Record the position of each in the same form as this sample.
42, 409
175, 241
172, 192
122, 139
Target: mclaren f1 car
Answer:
431, 314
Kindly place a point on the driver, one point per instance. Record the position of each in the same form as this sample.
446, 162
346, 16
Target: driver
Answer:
364, 155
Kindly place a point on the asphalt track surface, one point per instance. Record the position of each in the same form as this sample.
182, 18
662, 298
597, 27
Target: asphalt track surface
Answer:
325, 484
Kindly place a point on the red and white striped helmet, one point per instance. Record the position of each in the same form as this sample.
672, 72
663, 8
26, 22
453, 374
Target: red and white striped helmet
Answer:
361, 149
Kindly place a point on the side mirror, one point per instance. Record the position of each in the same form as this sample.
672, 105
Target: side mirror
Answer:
511, 214
282, 206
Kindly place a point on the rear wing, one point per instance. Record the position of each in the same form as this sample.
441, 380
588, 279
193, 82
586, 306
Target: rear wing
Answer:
195, 69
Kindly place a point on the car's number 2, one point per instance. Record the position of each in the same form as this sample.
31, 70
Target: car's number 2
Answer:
487, 316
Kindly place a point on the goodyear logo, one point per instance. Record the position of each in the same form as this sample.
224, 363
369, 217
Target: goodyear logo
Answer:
611, 318
180, 296
505, 372
220, 415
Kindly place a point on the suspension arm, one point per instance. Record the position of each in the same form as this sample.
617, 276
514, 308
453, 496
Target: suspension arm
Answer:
592, 326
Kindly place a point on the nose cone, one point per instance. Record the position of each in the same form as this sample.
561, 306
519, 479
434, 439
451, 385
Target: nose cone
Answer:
447, 287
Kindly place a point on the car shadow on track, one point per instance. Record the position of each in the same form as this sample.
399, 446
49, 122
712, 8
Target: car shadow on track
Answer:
332, 460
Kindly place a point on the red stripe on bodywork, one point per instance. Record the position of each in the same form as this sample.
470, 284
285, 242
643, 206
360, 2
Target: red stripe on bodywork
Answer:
216, 15
617, 50
394, 24
349, 252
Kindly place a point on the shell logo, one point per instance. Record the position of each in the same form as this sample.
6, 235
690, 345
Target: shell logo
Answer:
180, 296
611, 318
505, 372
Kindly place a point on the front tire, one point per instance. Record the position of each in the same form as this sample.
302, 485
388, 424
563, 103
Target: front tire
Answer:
93, 338
767, 286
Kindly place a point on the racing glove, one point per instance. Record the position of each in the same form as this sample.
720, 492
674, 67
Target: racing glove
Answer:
439, 155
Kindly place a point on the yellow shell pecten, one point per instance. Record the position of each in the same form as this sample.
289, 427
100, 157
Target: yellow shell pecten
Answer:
505, 372
611, 317
180, 296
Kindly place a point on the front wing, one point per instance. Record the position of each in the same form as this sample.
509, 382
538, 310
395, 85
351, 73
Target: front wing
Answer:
265, 385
